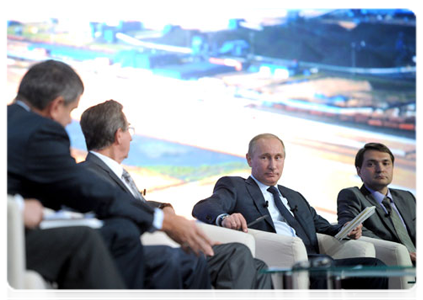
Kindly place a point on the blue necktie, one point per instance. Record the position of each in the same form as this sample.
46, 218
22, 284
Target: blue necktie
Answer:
290, 219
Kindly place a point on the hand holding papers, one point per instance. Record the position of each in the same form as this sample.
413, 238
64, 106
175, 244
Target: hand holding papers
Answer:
360, 218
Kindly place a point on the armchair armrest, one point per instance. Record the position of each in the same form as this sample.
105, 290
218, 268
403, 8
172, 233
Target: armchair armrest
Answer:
277, 250
281, 251
215, 233
225, 235
390, 253
15, 245
345, 248
17, 275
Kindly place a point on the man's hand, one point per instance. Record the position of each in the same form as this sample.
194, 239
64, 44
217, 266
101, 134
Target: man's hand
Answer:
235, 221
169, 209
187, 234
413, 256
32, 213
356, 233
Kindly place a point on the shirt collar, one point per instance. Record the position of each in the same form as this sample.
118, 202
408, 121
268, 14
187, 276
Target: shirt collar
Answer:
112, 164
23, 105
262, 186
378, 195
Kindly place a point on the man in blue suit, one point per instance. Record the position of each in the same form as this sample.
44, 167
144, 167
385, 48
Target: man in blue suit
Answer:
237, 201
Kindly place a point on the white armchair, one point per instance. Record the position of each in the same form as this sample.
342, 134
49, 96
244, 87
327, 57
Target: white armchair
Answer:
17, 274
393, 254
283, 252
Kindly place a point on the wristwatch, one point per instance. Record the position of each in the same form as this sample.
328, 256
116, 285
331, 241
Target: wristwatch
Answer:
220, 221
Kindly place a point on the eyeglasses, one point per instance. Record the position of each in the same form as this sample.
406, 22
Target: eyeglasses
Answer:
131, 130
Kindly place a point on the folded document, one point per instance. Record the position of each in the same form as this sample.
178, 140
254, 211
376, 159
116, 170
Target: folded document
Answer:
360, 218
63, 218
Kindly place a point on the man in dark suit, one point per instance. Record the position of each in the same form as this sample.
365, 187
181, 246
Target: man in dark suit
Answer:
237, 201
108, 137
40, 166
375, 164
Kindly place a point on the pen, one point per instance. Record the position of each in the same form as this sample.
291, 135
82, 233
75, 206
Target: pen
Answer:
257, 220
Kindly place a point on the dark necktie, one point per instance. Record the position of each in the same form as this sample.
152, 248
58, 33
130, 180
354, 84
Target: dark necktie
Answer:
128, 179
290, 219
399, 226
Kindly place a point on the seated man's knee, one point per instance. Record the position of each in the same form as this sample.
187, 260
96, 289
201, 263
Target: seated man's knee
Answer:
238, 248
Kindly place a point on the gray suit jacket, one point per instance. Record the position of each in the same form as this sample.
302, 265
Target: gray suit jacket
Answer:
352, 201
239, 195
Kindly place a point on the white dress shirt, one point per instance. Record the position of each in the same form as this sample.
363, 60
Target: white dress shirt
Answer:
281, 226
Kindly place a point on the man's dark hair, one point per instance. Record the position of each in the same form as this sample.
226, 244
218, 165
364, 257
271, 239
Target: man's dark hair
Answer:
48, 80
99, 124
371, 146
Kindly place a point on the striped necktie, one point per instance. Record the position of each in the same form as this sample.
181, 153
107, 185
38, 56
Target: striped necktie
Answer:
128, 179
398, 225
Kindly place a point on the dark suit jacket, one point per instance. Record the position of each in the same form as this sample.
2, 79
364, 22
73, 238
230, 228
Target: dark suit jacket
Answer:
239, 195
352, 201
96, 165
39, 165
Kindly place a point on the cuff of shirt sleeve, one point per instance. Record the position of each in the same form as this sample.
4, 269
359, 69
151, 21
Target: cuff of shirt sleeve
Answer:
158, 220
220, 219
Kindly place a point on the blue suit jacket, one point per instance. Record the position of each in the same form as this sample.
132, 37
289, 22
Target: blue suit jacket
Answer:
98, 167
351, 201
39, 165
239, 195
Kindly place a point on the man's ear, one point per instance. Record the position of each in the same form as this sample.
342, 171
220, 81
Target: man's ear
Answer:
118, 136
248, 157
358, 171
53, 109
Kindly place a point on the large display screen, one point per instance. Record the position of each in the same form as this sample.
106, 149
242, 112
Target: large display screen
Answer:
197, 87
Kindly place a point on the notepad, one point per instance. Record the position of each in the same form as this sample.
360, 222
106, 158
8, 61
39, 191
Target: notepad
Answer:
360, 218
65, 218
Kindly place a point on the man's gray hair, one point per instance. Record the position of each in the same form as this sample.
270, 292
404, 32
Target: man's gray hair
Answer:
99, 124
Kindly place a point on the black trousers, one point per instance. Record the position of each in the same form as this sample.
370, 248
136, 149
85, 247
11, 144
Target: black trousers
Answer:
163, 267
122, 238
233, 267
72, 257
317, 282
152, 267
172, 268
